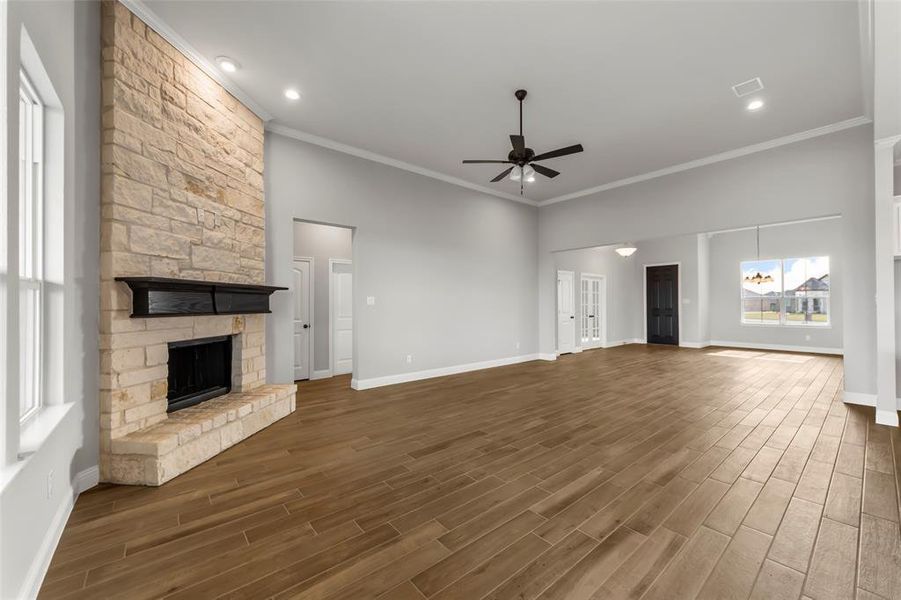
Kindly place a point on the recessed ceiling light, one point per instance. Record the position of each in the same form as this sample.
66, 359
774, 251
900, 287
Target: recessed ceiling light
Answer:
754, 105
292, 94
227, 64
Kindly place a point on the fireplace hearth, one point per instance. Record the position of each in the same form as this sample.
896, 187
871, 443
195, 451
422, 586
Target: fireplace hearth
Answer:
198, 371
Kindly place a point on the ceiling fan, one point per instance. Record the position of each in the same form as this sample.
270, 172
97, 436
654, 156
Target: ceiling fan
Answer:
524, 159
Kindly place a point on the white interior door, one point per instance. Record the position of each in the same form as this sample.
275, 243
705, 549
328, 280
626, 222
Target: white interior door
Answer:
593, 294
566, 312
302, 315
342, 318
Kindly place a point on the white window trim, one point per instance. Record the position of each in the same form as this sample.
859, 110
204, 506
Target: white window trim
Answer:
32, 263
783, 322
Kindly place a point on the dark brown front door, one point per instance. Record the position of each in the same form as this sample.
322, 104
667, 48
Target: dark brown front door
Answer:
663, 304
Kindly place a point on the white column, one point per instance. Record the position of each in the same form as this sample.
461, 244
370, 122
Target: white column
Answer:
886, 403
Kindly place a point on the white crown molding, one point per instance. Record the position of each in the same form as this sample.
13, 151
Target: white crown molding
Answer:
143, 12
715, 158
391, 162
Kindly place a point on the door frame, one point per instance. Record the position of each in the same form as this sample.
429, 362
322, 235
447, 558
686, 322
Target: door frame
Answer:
312, 299
603, 294
331, 313
644, 304
576, 348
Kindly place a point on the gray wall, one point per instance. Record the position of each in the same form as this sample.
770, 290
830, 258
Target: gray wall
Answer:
321, 242
823, 176
67, 38
453, 271
621, 290
728, 250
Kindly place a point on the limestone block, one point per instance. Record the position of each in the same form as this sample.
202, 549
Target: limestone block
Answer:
157, 354
143, 375
174, 210
137, 167
158, 243
151, 442
152, 408
213, 258
131, 215
126, 359
127, 469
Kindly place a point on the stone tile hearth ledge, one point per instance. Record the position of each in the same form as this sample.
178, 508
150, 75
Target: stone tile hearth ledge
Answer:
188, 437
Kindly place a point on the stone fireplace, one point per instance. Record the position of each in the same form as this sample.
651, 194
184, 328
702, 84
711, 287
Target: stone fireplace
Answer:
182, 198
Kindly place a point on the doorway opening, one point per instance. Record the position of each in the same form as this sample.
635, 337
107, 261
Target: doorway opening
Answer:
323, 300
661, 300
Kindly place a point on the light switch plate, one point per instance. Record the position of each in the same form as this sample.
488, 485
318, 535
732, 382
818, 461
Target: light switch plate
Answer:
370, 300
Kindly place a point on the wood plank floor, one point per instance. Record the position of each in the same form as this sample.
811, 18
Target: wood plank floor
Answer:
633, 472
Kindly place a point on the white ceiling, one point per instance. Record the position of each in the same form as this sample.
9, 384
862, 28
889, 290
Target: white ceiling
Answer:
642, 85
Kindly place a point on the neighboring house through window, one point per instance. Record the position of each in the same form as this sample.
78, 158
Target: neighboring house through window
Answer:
787, 292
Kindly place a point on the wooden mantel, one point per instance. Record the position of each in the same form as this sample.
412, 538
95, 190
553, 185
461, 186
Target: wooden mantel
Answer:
165, 297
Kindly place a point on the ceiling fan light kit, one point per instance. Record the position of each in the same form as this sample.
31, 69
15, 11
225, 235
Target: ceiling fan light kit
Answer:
523, 159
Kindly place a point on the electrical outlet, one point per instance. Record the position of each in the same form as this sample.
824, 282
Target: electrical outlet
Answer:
517, 345
409, 359
370, 300
807, 337
49, 485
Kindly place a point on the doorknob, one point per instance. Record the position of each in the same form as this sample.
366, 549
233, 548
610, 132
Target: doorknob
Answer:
572, 316
306, 325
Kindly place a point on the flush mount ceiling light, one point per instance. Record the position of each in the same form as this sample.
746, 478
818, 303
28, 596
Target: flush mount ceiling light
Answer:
758, 277
755, 105
626, 250
292, 94
227, 64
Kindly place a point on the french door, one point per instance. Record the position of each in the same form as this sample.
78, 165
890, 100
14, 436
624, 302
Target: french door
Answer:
593, 296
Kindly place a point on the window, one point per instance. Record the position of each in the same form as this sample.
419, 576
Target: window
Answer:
789, 291
31, 226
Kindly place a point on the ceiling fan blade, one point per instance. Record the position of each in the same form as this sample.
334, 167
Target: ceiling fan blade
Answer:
519, 144
545, 171
475, 162
559, 152
502, 175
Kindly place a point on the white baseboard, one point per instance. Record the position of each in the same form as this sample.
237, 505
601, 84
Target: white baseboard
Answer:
577, 350
777, 347
321, 374
859, 398
546, 356
86, 479
373, 382
694, 344
887, 417
81, 482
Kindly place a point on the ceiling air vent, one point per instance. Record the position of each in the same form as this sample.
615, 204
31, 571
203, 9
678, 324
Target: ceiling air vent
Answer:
745, 88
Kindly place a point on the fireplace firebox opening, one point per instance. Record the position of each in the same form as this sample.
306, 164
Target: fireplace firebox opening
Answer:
198, 371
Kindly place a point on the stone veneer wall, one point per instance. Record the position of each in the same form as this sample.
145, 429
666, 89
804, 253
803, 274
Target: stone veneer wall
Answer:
182, 196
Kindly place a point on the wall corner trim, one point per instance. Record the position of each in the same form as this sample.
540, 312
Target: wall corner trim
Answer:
82, 481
